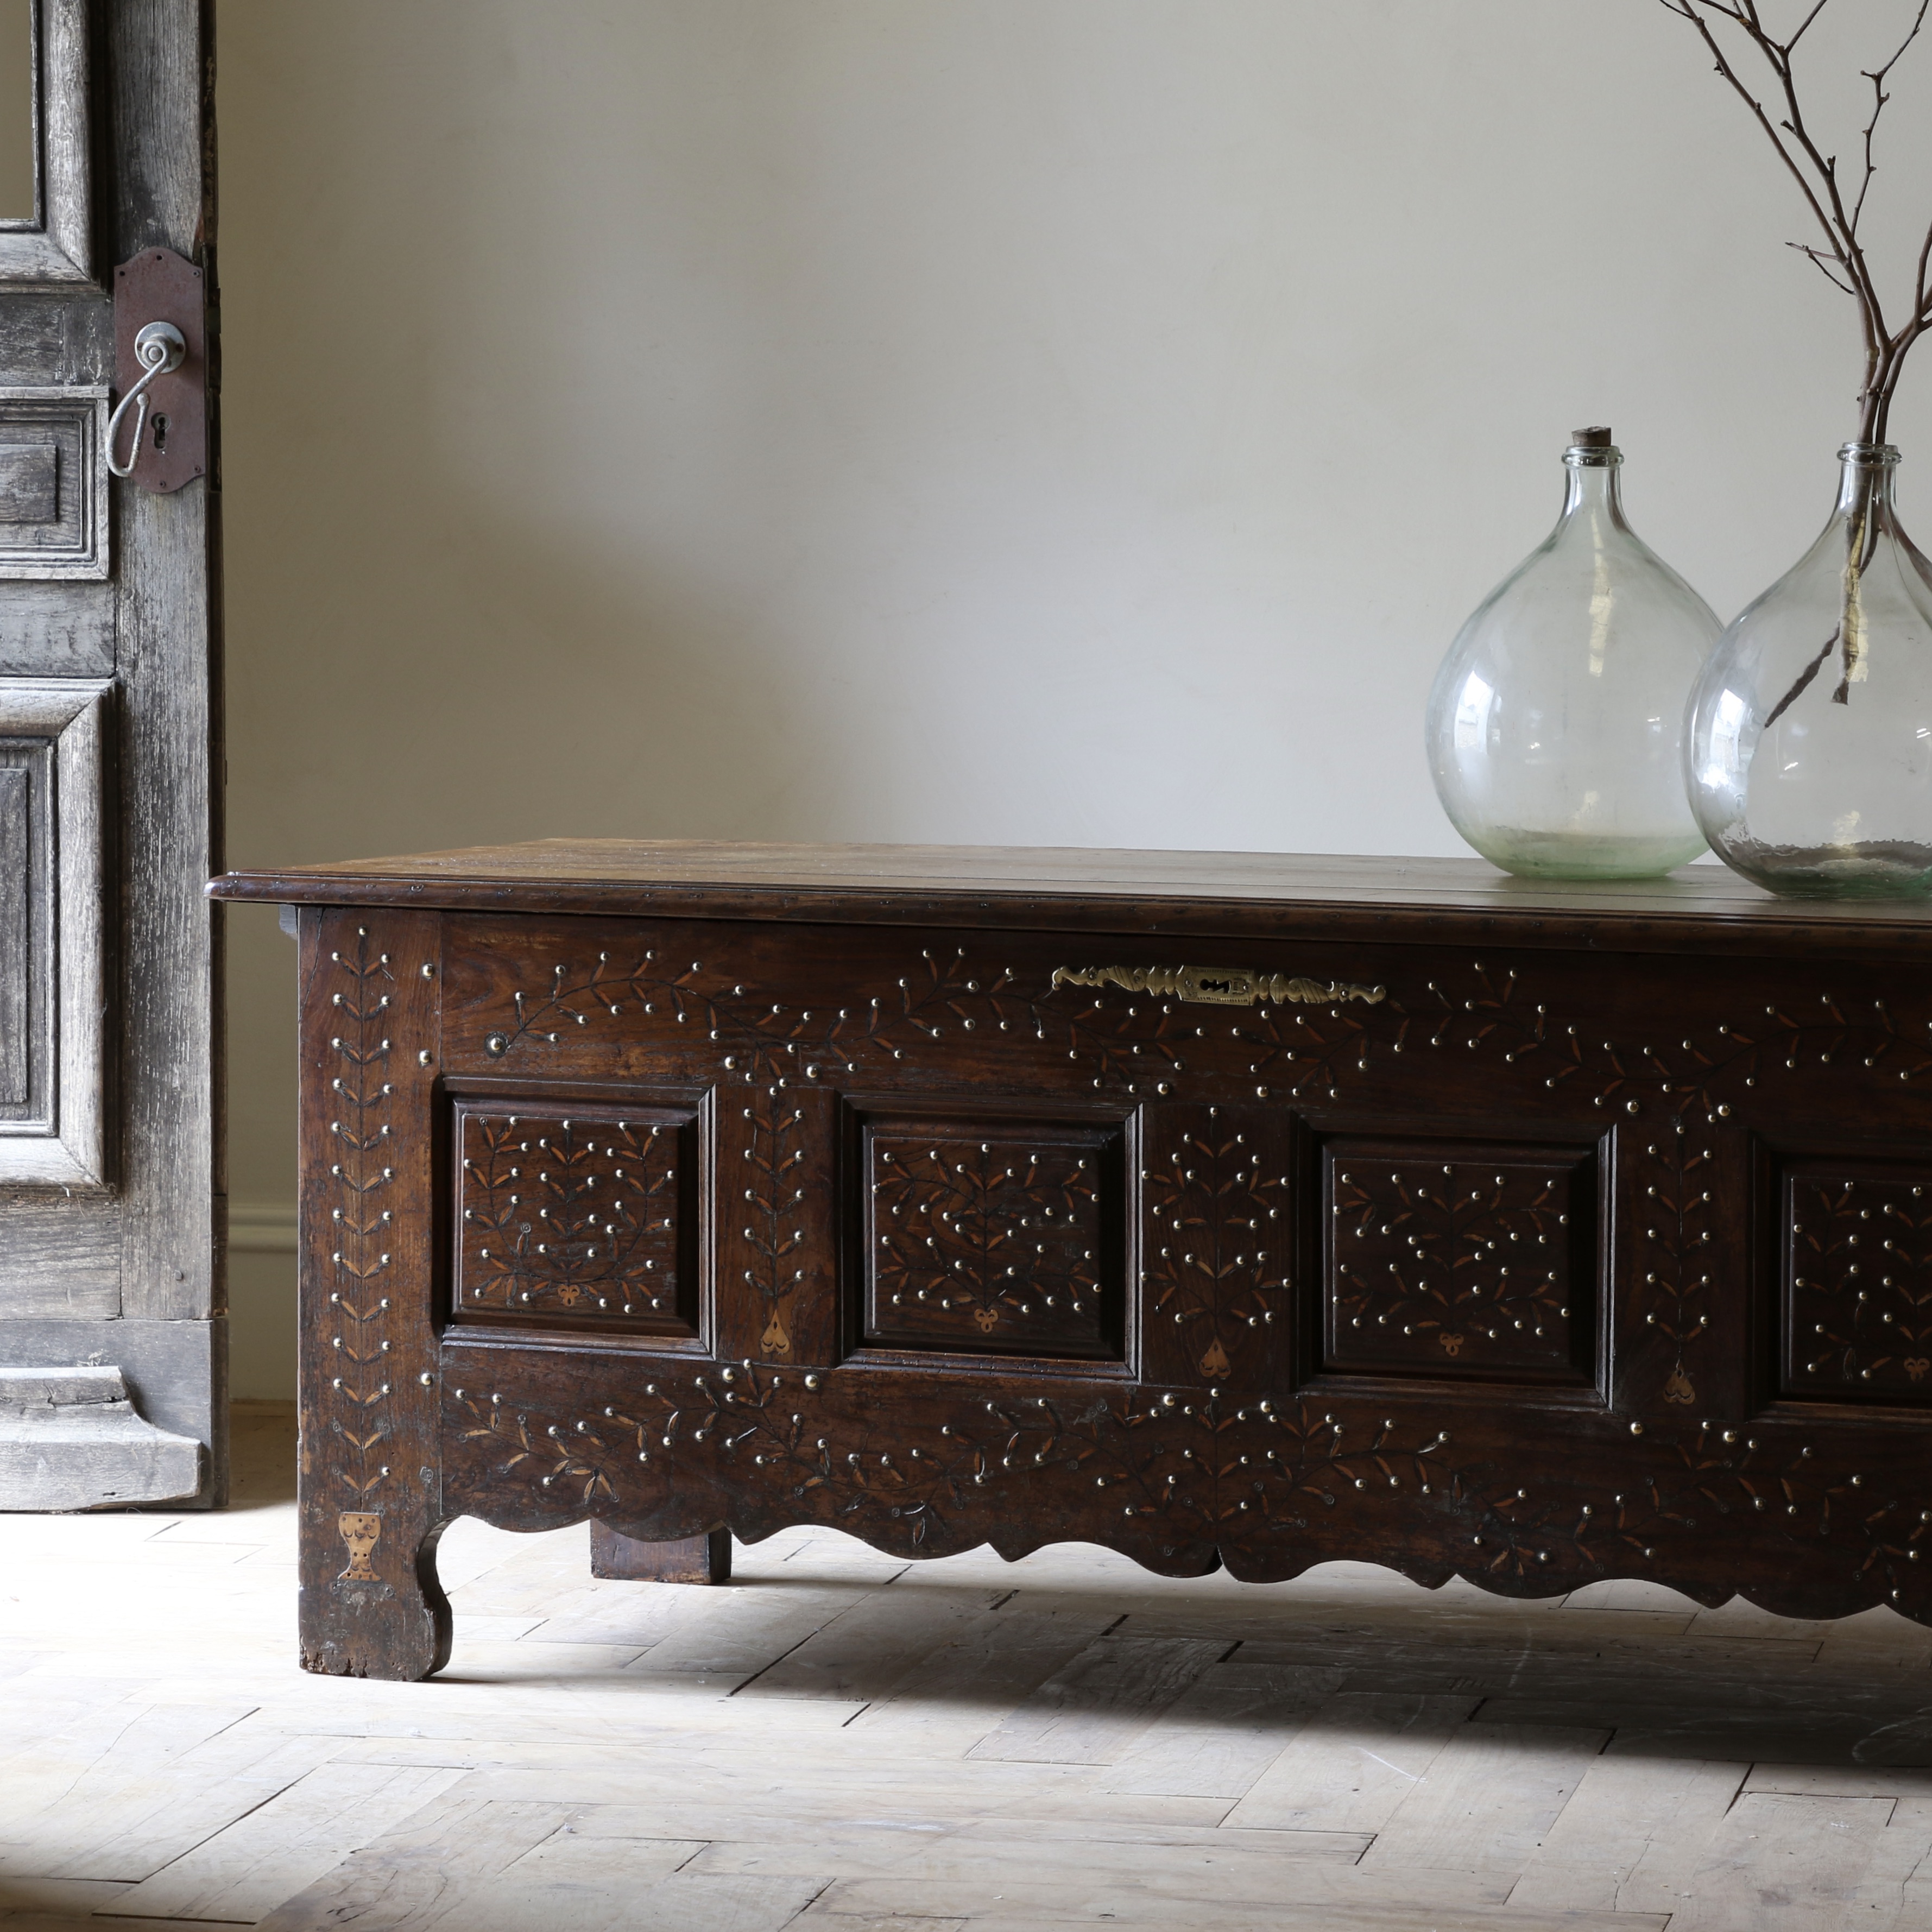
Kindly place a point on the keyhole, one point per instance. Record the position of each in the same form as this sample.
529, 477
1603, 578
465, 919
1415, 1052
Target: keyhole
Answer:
160, 434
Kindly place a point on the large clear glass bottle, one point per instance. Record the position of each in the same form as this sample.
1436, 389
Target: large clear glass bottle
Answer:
1555, 727
1809, 754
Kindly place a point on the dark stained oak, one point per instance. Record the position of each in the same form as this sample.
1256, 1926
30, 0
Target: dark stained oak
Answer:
1533, 1238
1408, 901
694, 1559
374, 1249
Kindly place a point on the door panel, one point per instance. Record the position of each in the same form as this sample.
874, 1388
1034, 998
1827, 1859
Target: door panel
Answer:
110, 1177
54, 523
54, 1130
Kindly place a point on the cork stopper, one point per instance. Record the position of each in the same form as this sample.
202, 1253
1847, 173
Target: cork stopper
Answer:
1596, 438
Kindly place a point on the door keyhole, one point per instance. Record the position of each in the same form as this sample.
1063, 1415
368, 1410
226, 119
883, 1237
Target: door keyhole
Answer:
160, 434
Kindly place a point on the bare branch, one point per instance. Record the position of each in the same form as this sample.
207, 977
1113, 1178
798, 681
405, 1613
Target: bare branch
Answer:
1842, 259
1880, 97
1844, 238
1801, 683
1804, 25
1689, 11
1824, 267
1899, 54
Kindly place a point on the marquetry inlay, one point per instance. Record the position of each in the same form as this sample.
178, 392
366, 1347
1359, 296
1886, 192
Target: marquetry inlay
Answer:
1858, 1265
1448, 1258
991, 1235
576, 1215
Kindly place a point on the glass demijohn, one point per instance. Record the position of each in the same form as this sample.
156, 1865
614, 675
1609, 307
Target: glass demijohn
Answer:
1809, 755
1554, 726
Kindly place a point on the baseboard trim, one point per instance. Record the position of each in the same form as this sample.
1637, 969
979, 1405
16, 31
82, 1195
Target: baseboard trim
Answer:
262, 1227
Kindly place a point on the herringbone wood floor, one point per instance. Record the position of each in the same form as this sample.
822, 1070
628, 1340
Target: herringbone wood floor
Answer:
841, 1741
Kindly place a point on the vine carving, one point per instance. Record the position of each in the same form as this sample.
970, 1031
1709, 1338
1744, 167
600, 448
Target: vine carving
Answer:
986, 1240
1861, 1295
1454, 1265
575, 1216
1216, 1266
1244, 1479
362, 1172
772, 1201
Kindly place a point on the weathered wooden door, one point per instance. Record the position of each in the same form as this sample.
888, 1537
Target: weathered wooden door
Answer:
110, 1178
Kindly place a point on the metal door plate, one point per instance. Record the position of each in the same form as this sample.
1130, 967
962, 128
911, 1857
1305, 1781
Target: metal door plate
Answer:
159, 286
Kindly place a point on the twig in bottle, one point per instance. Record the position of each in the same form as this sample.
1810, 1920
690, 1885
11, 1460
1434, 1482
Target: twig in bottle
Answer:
1842, 260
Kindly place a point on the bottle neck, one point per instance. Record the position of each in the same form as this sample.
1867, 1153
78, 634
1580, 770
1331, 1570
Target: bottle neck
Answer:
1865, 473
1594, 492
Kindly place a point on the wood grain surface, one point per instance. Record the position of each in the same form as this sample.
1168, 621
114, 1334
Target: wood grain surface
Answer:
1411, 901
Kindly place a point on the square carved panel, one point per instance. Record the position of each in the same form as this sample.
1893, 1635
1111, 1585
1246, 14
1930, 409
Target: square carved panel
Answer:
583, 1218
1445, 1258
1857, 1282
53, 484
992, 1236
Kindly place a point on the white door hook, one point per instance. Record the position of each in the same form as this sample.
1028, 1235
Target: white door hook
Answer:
159, 349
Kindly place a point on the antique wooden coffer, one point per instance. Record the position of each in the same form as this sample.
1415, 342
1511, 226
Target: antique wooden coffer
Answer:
1220, 1210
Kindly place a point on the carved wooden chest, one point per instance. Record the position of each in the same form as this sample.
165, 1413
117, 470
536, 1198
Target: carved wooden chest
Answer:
1218, 1209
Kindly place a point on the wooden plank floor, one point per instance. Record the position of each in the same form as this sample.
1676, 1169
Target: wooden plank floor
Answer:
843, 1742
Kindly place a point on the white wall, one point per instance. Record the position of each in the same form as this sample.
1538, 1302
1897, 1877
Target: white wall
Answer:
1042, 421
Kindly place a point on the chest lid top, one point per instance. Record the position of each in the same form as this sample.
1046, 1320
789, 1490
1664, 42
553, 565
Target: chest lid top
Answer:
1425, 901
